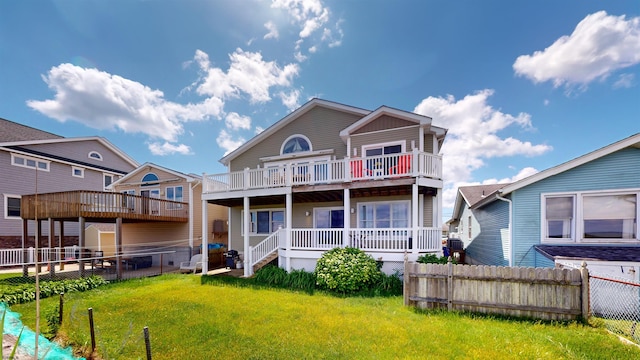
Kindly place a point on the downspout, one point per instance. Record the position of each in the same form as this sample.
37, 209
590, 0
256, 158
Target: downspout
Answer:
510, 227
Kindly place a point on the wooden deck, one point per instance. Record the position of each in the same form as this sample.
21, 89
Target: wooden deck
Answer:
97, 206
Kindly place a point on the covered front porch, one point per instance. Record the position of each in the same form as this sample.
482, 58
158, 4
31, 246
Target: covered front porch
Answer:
301, 248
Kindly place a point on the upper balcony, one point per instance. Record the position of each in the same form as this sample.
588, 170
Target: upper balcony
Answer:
298, 173
97, 206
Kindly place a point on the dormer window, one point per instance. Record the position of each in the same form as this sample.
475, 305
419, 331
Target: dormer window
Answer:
295, 144
95, 155
150, 179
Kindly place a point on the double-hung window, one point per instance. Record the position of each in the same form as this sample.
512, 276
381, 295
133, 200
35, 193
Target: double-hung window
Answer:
559, 217
264, 221
12, 205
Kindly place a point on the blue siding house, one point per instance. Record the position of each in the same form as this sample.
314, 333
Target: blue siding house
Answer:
583, 210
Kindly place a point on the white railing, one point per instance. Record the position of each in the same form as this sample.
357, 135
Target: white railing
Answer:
316, 239
266, 247
413, 164
16, 257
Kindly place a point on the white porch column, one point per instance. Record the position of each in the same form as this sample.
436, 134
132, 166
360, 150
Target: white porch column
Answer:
347, 218
247, 247
289, 224
437, 210
205, 238
414, 217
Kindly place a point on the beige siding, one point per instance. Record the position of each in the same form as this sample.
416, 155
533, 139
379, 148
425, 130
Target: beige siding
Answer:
157, 234
406, 134
321, 125
384, 122
428, 211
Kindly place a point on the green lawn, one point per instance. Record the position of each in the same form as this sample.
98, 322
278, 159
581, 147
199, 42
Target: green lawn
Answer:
188, 320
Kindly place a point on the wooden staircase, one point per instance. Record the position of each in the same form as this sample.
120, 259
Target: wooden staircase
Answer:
269, 258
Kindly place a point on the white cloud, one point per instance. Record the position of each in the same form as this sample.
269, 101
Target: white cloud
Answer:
273, 30
227, 143
236, 121
258, 130
167, 149
248, 74
104, 101
473, 135
599, 45
313, 19
290, 100
624, 81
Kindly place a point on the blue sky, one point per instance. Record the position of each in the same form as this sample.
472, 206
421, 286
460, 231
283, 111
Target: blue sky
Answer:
521, 85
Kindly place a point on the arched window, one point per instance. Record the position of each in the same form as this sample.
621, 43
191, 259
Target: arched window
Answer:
95, 155
150, 179
295, 144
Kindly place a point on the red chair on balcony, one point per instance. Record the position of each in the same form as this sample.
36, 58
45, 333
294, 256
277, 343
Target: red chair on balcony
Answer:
358, 171
403, 166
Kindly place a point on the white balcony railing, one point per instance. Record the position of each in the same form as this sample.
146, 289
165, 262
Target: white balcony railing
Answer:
413, 164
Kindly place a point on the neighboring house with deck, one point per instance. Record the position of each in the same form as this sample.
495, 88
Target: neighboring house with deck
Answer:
585, 209
181, 192
331, 175
34, 161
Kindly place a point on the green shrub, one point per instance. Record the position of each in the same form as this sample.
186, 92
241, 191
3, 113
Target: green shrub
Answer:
274, 276
433, 259
346, 270
27, 292
52, 317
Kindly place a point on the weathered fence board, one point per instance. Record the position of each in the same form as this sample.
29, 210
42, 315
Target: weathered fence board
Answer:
541, 293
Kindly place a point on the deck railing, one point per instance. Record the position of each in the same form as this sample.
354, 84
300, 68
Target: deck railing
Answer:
16, 257
97, 204
378, 240
411, 164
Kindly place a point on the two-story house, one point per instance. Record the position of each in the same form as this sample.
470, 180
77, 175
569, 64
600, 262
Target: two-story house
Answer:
331, 175
182, 193
34, 161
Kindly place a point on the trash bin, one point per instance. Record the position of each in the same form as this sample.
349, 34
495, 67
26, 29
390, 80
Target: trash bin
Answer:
230, 259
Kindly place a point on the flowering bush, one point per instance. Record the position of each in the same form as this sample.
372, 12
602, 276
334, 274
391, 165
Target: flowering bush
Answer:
346, 270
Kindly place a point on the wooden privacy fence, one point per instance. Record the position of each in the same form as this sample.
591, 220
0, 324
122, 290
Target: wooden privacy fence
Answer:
540, 293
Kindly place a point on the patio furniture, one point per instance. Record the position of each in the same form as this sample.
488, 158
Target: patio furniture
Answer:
192, 265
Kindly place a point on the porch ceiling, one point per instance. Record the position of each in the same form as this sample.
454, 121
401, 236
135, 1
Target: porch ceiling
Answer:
333, 192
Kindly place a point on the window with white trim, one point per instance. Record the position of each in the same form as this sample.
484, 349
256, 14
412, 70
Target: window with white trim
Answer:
389, 214
294, 144
77, 171
591, 217
12, 204
174, 193
95, 155
108, 180
29, 162
610, 216
264, 221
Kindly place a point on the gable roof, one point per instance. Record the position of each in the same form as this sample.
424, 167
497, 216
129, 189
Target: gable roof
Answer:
631, 141
17, 146
473, 194
146, 167
311, 104
421, 120
12, 131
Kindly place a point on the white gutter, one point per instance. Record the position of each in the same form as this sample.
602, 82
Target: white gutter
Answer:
510, 227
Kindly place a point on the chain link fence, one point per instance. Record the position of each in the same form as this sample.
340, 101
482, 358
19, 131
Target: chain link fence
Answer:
617, 302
